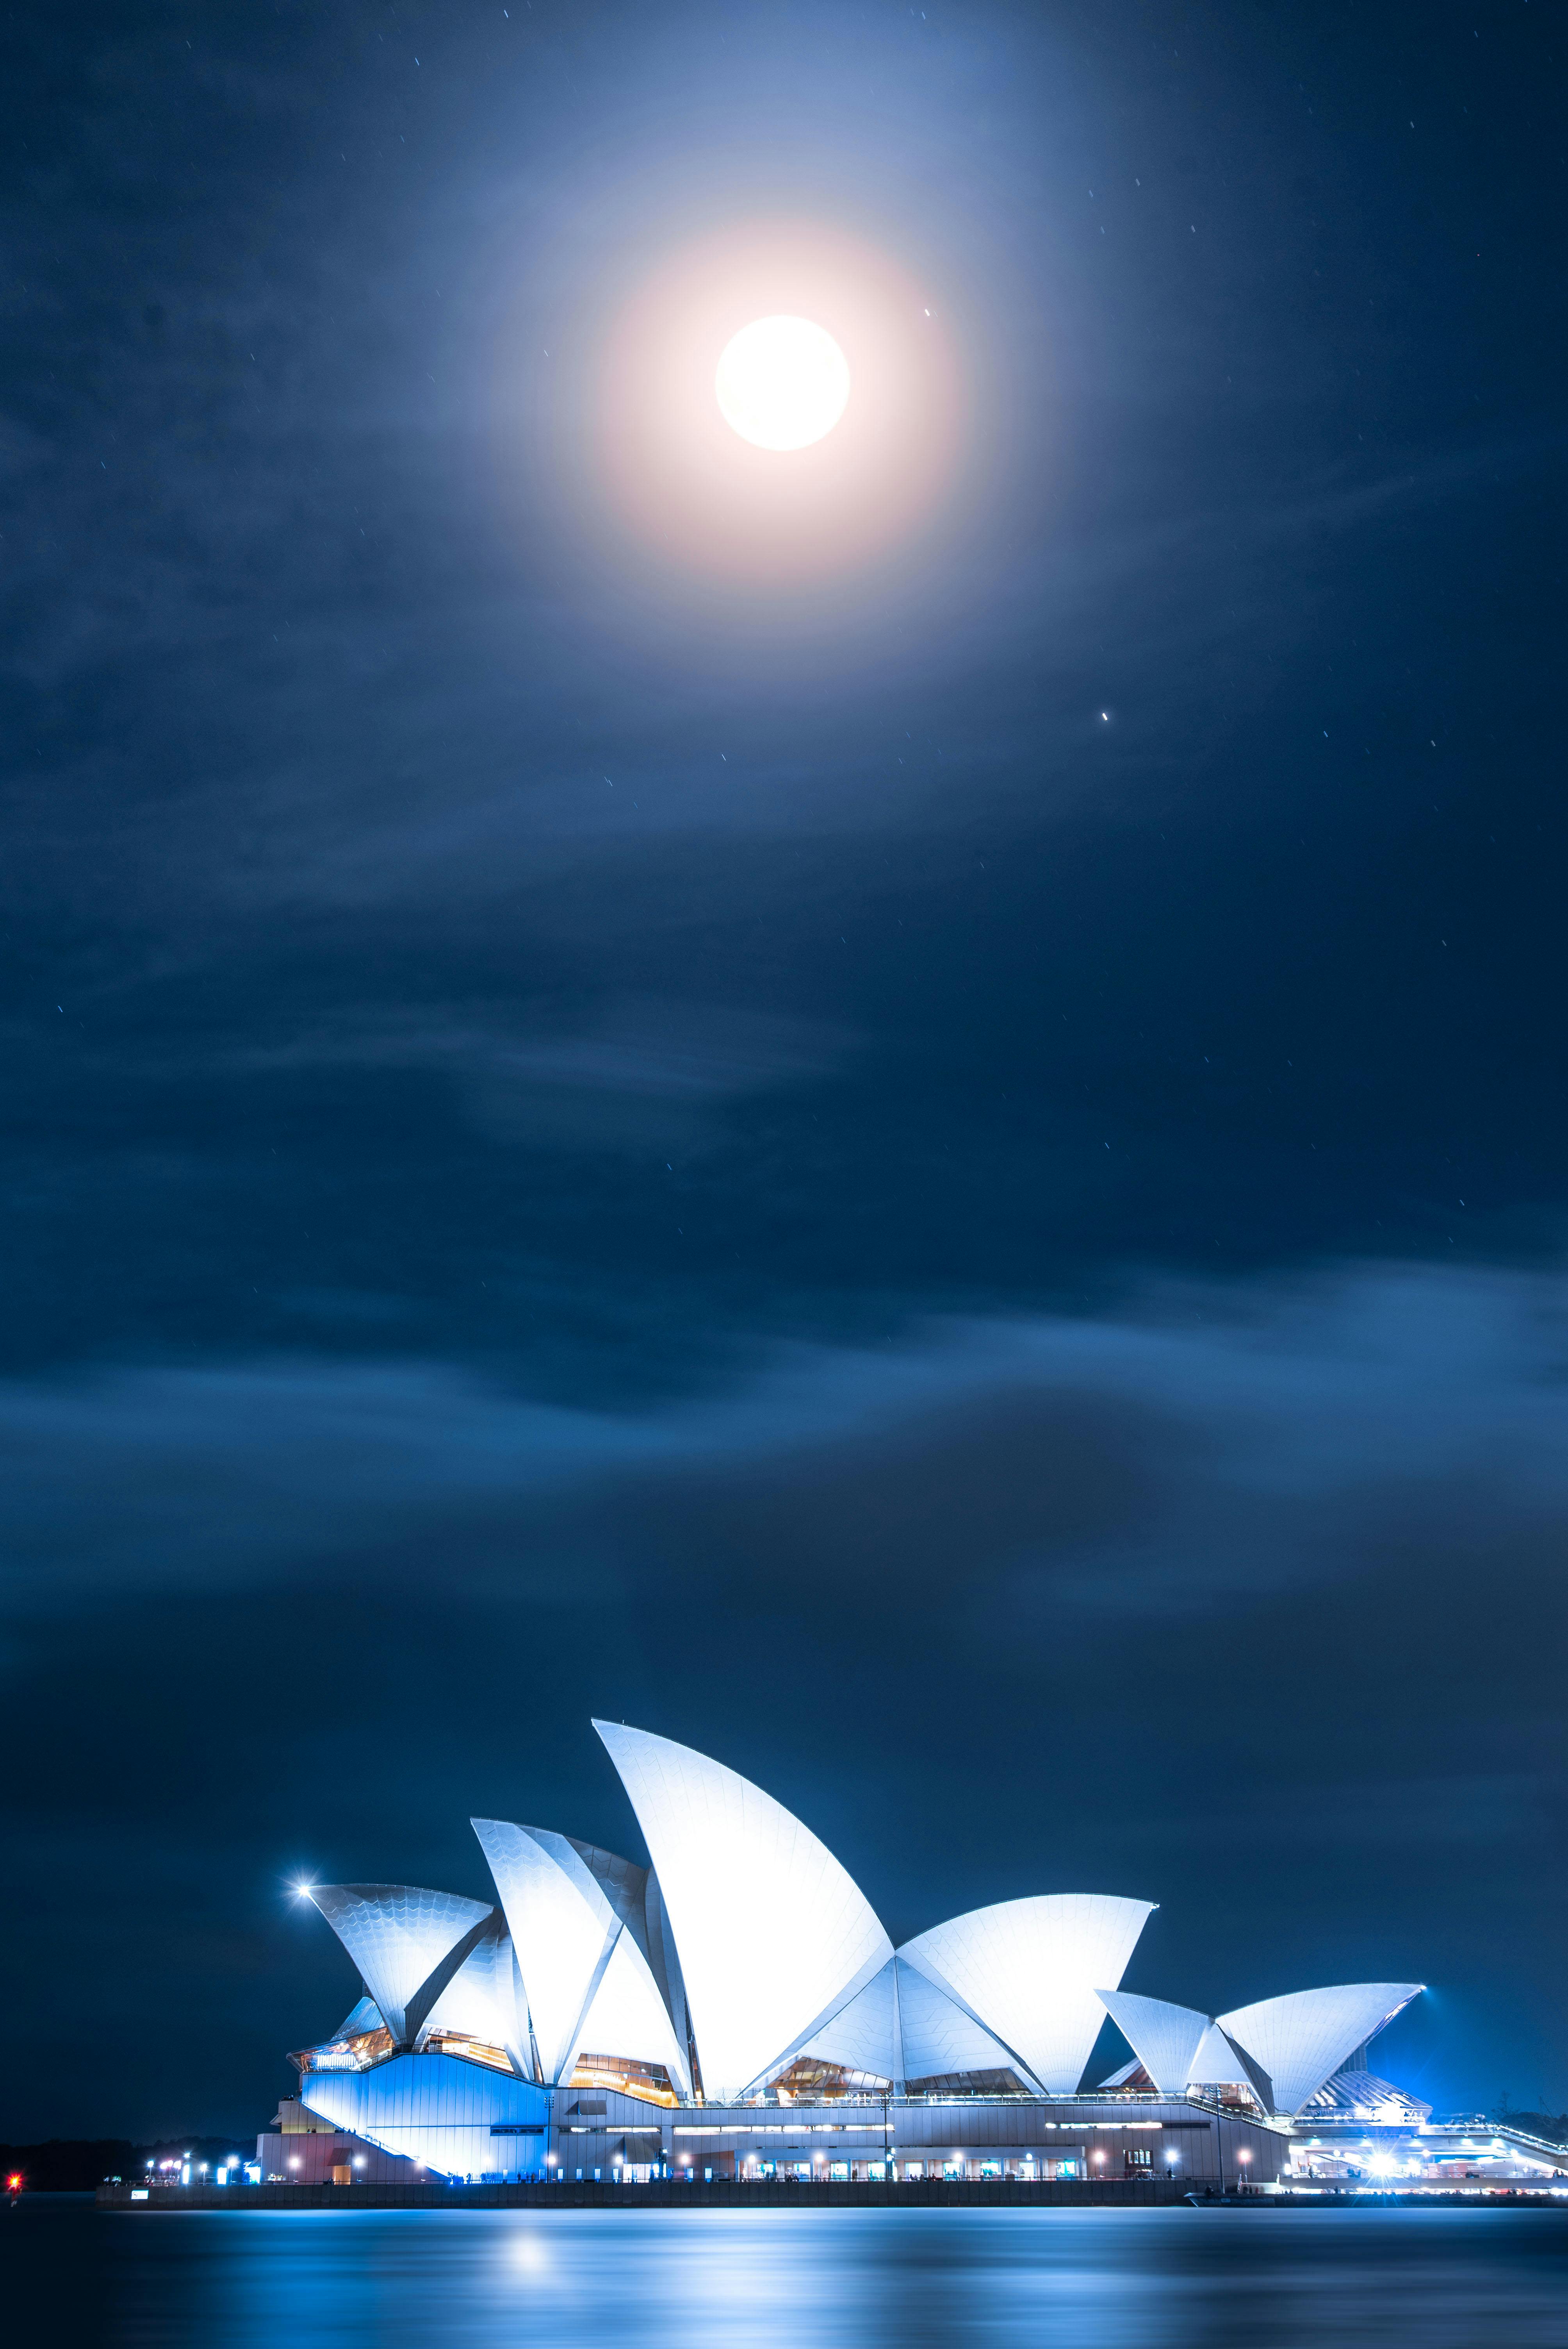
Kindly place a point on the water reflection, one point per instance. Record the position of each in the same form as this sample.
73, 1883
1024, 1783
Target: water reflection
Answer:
683, 2280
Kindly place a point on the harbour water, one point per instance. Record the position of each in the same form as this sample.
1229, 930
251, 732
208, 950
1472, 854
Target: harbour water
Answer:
780, 2279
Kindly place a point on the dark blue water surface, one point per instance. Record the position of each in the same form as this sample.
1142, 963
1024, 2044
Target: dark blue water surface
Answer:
712, 2279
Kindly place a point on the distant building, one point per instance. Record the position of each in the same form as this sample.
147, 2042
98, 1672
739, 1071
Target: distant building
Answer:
738, 2009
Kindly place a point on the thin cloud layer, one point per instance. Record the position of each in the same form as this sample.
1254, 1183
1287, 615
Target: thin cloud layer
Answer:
1217, 1443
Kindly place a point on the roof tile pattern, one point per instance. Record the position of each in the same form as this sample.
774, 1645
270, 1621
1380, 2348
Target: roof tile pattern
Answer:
397, 1935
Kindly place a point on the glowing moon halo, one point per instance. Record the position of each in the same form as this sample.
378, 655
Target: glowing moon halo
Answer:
782, 383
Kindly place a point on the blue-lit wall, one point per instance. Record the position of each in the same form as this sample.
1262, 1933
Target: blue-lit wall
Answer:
458, 2119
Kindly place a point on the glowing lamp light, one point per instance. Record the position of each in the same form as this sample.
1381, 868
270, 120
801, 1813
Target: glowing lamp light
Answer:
782, 383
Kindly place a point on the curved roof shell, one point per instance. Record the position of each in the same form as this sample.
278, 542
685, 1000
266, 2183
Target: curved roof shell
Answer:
399, 1936
774, 1935
1165, 2038
940, 2037
1220, 2062
863, 2035
562, 1925
657, 1943
1302, 2039
578, 1918
903, 2026
642, 1998
1180, 2048
1028, 1971
627, 2017
484, 2000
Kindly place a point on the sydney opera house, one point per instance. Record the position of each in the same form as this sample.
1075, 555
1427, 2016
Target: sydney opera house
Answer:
737, 2010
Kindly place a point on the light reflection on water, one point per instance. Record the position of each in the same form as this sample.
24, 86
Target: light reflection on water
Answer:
686, 2280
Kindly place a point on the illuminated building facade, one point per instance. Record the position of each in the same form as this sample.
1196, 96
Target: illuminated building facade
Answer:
737, 2009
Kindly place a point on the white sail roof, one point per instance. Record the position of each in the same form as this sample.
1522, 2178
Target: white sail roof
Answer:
579, 1918
1302, 2039
641, 1989
940, 2037
1029, 1971
627, 2016
773, 1933
1220, 2063
902, 2027
483, 2000
1165, 2038
562, 1925
1177, 2047
658, 1941
863, 2035
397, 1934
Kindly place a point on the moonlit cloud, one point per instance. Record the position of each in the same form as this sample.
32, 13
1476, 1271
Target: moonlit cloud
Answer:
1359, 1403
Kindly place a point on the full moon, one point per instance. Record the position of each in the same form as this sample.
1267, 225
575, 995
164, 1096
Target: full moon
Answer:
782, 383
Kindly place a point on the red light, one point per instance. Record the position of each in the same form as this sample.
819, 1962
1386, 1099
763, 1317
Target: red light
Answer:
14, 2183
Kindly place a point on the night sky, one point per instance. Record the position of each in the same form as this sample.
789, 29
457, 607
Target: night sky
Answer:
945, 1176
